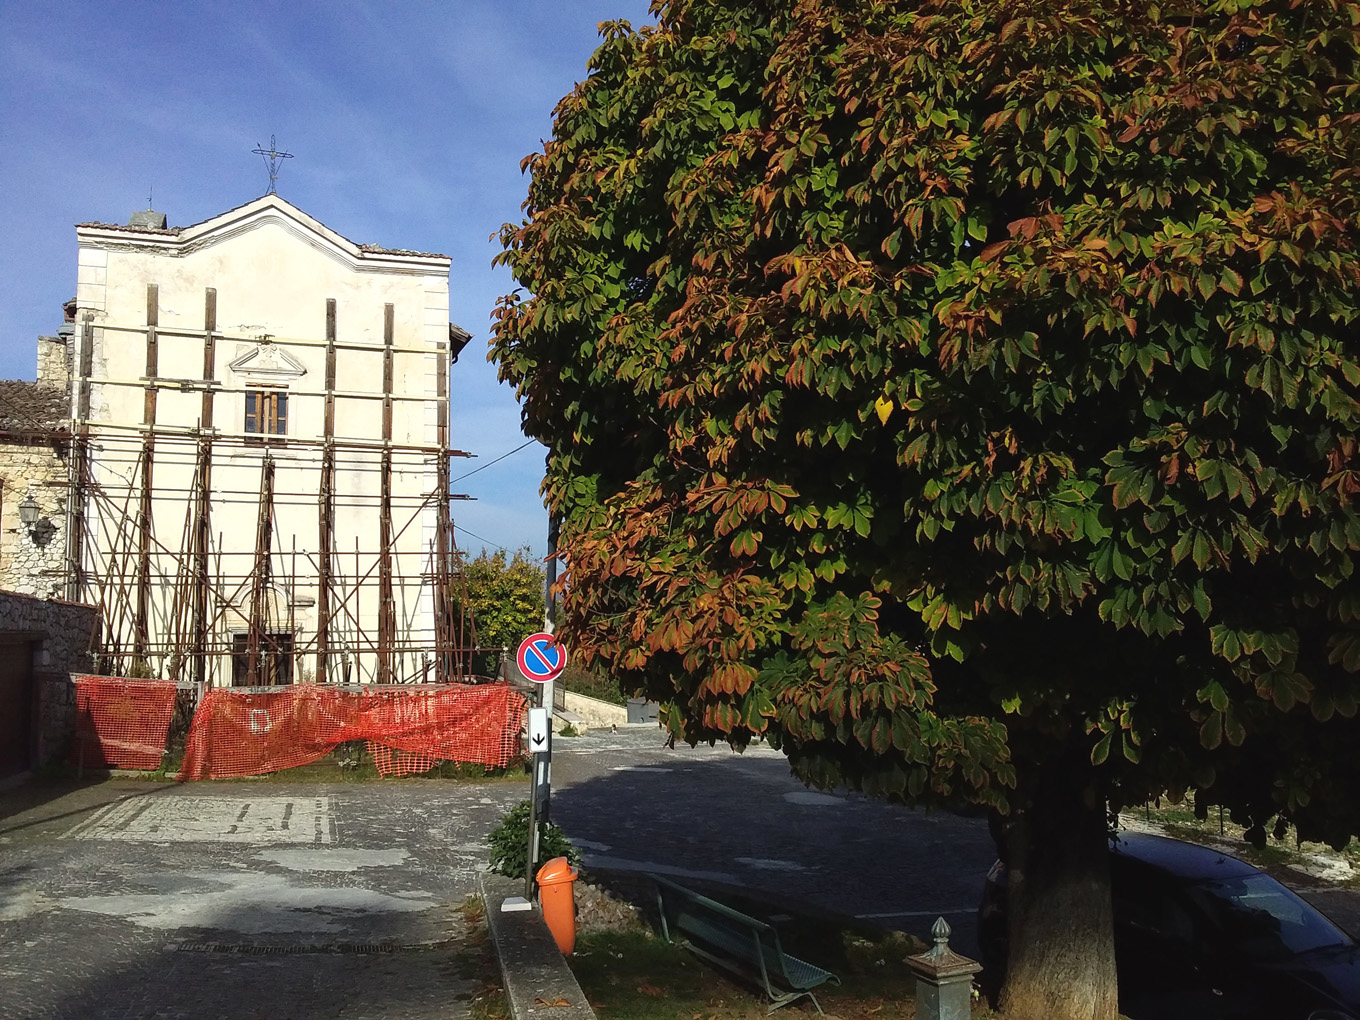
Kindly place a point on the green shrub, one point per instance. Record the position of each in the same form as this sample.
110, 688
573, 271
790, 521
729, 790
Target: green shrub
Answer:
509, 843
593, 684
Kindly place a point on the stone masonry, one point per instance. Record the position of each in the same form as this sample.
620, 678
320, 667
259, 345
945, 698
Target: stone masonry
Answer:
62, 636
33, 465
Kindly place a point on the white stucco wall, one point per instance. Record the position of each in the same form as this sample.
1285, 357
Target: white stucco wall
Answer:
273, 269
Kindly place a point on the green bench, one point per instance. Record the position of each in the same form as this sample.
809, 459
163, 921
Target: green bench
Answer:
743, 945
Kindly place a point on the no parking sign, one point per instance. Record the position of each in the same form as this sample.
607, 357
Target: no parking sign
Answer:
541, 658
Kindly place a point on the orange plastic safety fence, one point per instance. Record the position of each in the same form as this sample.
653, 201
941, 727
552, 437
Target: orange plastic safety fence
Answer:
392, 761
245, 733
121, 723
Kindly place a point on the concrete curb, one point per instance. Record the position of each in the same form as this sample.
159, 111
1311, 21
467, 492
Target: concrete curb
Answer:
533, 970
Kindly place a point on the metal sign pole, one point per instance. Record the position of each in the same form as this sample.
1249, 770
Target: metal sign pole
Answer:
541, 659
540, 747
542, 791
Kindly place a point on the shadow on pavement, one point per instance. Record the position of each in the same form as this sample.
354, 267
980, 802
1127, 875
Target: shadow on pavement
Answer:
743, 827
45, 801
255, 980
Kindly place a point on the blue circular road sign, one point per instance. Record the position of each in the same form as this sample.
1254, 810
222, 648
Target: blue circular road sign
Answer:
541, 658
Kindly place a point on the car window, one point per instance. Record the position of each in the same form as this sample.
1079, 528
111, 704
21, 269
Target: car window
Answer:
1262, 919
1144, 906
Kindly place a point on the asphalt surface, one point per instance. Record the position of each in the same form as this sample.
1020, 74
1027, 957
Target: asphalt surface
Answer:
133, 900
741, 822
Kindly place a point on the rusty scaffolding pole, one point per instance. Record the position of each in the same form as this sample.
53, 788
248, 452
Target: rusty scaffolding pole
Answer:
387, 612
80, 452
260, 573
202, 531
141, 627
326, 506
172, 596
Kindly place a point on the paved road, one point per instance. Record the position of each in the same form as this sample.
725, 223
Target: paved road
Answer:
744, 823
129, 900
132, 901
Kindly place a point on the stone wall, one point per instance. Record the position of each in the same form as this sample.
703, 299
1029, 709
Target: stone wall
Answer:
62, 634
54, 363
33, 557
594, 713
33, 450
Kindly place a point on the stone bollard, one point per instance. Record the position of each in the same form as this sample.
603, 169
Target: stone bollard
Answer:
944, 979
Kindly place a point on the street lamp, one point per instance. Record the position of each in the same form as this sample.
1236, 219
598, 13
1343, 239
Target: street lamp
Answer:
28, 511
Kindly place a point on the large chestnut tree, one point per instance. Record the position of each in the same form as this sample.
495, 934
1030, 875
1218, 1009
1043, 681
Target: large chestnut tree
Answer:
963, 394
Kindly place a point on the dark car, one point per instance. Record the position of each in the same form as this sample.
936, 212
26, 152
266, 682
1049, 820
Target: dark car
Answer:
1200, 935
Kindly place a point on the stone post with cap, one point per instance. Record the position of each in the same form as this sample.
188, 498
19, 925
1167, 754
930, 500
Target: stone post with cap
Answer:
944, 979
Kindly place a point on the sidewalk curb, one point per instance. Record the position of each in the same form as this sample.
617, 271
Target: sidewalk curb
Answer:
533, 970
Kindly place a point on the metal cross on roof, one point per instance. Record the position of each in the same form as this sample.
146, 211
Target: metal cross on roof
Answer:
272, 156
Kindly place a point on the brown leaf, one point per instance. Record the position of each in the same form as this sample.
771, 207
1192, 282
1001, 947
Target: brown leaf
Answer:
1172, 469
647, 988
559, 1001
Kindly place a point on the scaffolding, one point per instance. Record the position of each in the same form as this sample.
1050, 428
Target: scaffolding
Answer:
350, 573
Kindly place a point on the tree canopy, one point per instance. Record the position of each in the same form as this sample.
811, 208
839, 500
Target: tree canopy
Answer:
503, 596
954, 388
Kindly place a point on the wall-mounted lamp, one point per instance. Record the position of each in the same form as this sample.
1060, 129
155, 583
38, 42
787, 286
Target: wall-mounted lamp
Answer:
28, 511
458, 339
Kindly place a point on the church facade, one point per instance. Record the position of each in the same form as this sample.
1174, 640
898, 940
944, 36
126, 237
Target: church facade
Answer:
257, 464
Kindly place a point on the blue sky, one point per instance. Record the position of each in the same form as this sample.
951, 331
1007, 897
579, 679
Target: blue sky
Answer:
407, 121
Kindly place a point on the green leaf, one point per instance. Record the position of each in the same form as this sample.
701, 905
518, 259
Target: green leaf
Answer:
1102, 749
1211, 732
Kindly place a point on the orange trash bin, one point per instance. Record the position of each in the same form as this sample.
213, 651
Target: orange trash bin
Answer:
557, 896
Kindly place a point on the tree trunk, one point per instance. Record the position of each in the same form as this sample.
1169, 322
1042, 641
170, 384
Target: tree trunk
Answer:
1060, 922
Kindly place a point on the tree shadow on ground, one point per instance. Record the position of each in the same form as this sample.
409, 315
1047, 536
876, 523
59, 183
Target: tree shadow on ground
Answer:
744, 831
43, 801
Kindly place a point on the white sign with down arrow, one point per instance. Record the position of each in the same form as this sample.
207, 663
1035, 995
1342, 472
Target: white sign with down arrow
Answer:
538, 730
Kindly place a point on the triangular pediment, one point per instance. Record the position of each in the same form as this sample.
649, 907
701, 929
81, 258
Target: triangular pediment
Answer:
271, 212
268, 361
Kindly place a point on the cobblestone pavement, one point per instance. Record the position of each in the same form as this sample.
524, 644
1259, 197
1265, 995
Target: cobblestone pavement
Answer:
130, 900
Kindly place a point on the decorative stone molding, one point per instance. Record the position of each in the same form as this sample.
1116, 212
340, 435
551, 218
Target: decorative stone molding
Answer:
267, 362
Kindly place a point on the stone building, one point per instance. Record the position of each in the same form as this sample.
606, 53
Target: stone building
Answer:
247, 472
34, 455
42, 642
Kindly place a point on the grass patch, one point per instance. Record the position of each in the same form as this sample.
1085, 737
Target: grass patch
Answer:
347, 763
592, 684
351, 762
635, 974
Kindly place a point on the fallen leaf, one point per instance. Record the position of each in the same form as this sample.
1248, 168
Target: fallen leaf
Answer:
647, 988
559, 1001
